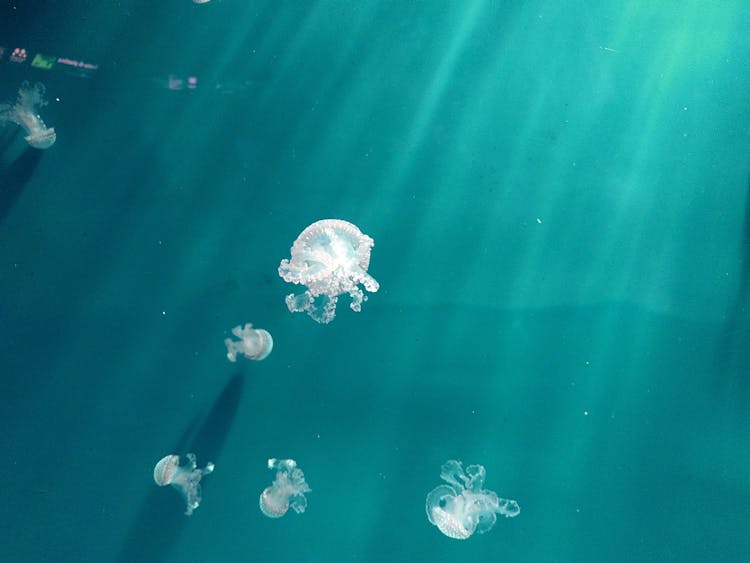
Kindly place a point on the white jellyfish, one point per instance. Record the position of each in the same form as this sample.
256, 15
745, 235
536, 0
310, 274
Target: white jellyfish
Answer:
25, 113
287, 490
186, 479
463, 507
331, 258
254, 343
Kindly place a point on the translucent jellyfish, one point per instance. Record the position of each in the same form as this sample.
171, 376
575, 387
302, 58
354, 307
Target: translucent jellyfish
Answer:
331, 258
463, 507
287, 489
254, 343
25, 113
186, 479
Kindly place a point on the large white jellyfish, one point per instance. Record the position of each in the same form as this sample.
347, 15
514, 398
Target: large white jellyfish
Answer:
286, 490
185, 479
463, 507
254, 343
25, 113
331, 258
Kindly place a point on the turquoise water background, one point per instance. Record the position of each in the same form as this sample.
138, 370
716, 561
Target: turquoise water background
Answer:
558, 194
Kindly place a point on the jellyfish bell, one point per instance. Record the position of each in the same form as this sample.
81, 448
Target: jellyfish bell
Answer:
254, 343
43, 139
272, 504
184, 478
452, 527
165, 469
287, 490
442, 512
330, 258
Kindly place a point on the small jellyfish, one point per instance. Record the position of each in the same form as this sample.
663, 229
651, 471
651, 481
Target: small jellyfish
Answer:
254, 343
287, 489
463, 507
186, 479
331, 258
25, 113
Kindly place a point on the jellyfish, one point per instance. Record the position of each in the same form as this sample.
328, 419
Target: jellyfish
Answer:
186, 479
24, 113
254, 343
463, 507
287, 489
330, 258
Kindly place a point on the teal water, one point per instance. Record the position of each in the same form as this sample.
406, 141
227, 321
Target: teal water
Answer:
558, 196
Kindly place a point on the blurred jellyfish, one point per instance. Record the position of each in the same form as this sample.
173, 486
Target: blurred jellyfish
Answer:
201, 1
331, 258
254, 343
287, 489
463, 507
24, 113
186, 479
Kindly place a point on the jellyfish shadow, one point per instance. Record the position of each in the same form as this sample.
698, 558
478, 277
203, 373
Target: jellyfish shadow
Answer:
159, 523
733, 350
17, 165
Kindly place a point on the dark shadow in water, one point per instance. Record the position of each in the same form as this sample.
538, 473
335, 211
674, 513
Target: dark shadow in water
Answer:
161, 518
733, 350
15, 172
